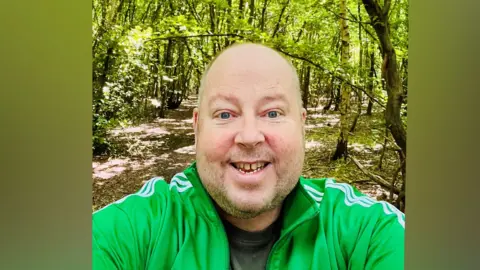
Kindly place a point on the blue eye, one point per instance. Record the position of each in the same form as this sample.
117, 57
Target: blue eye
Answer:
225, 115
272, 114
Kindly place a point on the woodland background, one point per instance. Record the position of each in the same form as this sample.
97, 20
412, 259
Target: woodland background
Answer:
351, 57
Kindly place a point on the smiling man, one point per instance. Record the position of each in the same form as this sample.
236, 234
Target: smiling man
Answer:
244, 204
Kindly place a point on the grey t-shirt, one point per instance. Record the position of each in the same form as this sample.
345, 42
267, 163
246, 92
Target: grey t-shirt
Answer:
250, 250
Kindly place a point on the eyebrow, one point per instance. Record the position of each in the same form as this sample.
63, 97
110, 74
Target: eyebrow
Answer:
234, 100
228, 98
274, 97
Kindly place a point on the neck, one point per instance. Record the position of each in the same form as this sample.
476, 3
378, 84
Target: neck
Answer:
254, 224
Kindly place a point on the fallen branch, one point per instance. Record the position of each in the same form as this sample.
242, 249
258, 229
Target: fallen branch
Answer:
378, 179
195, 36
361, 181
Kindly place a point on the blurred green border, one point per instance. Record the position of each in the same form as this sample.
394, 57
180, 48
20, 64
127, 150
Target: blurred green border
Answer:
442, 131
46, 134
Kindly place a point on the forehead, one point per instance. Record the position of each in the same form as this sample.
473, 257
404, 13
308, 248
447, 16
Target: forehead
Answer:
248, 87
250, 75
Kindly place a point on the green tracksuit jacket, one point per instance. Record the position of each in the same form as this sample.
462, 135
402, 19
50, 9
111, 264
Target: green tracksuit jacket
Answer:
326, 225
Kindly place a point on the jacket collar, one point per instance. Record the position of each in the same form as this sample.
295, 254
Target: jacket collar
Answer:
297, 208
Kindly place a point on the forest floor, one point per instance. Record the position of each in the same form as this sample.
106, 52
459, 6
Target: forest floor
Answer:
165, 147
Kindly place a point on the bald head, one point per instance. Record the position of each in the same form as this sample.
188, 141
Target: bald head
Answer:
254, 59
250, 112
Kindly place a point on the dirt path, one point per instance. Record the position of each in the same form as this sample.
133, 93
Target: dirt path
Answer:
165, 147
161, 148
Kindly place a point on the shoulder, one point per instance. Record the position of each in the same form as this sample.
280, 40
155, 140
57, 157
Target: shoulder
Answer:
369, 232
154, 196
349, 202
152, 192
125, 228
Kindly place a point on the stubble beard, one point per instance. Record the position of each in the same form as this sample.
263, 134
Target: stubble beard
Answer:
213, 179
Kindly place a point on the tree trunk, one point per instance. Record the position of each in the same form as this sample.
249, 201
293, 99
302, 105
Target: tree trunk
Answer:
128, 13
319, 88
148, 88
102, 79
251, 19
360, 73
283, 28
405, 84
306, 86
101, 29
191, 7
330, 95
342, 142
405, 75
147, 10
337, 97
175, 95
277, 26
157, 80
262, 21
379, 18
359, 111
212, 18
212, 28
301, 31
241, 4
384, 148
371, 76
229, 21
168, 60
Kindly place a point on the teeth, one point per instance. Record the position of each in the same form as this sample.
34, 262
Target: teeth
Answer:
250, 168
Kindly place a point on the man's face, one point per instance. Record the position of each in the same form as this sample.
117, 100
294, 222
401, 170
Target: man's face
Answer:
249, 132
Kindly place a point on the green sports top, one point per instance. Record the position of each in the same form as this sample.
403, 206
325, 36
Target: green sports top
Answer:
326, 225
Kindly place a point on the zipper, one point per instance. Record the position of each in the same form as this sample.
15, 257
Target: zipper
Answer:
211, 215
275, 246
283, 238
215, 218
210, 212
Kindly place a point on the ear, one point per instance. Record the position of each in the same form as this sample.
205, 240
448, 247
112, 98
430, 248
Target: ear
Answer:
195, 123
304, 118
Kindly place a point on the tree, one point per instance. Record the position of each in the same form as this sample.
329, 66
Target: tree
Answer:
342, 142
390, 71
379, 17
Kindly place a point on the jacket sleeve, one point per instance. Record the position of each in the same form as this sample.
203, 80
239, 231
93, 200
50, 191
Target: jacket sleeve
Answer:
122, 231
387, 244
114, 244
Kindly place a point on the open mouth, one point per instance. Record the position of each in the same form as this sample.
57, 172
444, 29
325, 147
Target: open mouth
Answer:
249, 168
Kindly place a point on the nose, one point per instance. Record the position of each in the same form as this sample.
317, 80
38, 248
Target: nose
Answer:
250, 135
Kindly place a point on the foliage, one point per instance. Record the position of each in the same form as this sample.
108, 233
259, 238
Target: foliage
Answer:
149, 55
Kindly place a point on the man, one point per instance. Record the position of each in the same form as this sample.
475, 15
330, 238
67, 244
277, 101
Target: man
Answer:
244, 204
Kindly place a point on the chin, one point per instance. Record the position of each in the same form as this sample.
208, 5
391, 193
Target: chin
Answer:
249, 206
254, 203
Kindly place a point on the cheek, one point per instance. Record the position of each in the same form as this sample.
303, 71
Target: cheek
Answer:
214, 143
282, 146
286, 143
